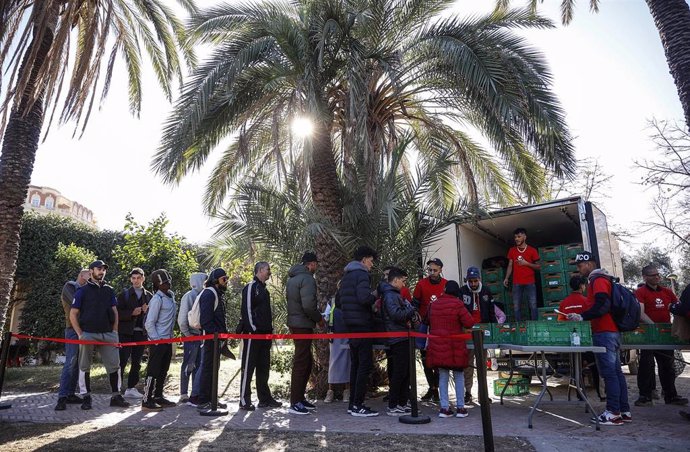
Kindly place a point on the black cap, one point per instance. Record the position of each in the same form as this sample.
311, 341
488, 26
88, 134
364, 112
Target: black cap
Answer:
160, 277
452, 288
585, 256
436, 261
216, 274
137, 271
98, 263
309, 256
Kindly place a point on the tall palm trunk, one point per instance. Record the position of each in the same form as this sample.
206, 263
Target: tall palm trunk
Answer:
672, 19
19, 146
326, 197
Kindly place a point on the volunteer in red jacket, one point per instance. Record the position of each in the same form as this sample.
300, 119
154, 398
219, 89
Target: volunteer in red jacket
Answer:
604, 334
656, 300
522, 263
448, 315
426, 292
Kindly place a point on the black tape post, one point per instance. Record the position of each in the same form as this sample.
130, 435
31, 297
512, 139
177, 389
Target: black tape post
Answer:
480, 360
4, 354
415, 418
214, 411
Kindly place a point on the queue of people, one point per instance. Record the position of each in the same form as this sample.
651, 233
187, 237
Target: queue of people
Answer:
436, 305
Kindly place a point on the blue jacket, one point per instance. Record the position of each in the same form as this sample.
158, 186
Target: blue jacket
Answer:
212, 321
396, 311
160, 318
356, 299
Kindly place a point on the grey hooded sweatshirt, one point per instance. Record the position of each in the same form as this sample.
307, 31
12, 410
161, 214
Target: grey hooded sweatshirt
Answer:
196, 281
301, 298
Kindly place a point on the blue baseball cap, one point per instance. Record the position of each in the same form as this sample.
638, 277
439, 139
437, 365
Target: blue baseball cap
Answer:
473, 272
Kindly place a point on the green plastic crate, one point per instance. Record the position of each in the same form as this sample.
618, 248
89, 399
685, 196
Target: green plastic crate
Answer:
570, 250
493, 275
517, 386
550, 253
504, 332
504, 297
570, 266
550, 294
557, 333
488, 329
496, 287
551, 266
644, 335
553, 279
547, 314
664, 336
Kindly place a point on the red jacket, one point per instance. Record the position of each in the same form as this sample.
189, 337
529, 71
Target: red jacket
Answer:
447, 315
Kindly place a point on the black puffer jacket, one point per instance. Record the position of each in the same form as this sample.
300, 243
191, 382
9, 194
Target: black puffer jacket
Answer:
397, 311
356, 300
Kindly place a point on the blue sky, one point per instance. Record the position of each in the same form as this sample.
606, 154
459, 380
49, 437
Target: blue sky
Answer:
609, 71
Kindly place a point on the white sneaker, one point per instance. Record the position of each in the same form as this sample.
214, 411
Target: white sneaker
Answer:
133, 393
329, 396
346, 396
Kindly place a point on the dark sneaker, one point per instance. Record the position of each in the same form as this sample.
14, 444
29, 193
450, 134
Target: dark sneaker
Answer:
608, 418
61, 404
86, 404
644, 401
221, 405
308, 405
118, 401
395, 411
193, 401
429, 394
626, 416
468, 398
271, 403
461, 412
677, 400
363, 411
74, 399
407, 408
445, 412
248, 407
165, 403
207, 406
298, 408
655, 394
150, 405
349, 410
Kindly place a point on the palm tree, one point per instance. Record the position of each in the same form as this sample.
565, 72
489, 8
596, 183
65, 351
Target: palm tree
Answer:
55, 53
365, 73
672, 19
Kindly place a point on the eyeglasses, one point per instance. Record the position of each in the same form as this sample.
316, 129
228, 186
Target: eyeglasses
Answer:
223, 279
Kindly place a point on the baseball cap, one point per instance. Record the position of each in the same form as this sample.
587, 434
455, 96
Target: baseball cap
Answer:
97, 264
216, 274
137, 271
436, 261
585, 256
473, 272
309, 257
161, 276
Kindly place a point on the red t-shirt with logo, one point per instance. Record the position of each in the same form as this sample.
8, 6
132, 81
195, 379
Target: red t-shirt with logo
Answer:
575, 303
605, 323
427, 292
656, 302
521, 273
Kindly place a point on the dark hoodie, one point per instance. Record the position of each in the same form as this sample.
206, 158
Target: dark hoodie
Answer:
300, 292
356, 300
397, 311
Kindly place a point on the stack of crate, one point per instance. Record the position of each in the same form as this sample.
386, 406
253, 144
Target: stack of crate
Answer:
492, 279
557, 267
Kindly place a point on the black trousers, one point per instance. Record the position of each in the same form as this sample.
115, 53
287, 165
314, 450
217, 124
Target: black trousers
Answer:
256, 355
646, 376
399, 387
207, 371
135, 353
302, 364
430, 373
157, 370
361, 364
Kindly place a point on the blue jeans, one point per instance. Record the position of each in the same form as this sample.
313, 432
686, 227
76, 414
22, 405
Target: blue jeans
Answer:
609, 365
191, 362
70, 370
459, 377
531, 291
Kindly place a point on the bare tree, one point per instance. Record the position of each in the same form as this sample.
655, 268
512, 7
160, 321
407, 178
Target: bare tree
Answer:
590, 181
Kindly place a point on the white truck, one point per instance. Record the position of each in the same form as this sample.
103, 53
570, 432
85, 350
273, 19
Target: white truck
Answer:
571, 220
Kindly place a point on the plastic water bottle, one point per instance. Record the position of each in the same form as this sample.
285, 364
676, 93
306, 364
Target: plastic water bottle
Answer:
575, 338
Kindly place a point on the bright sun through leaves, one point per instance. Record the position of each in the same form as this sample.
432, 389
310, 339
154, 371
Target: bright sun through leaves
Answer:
302, 127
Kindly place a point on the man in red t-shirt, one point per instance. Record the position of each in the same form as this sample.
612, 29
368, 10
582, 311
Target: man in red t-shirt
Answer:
426, 292
575, 303
522, 263
656, 300
604, 334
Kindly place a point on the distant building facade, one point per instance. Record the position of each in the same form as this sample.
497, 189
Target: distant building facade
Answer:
46, 200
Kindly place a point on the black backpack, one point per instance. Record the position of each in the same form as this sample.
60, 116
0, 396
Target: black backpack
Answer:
625, 307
